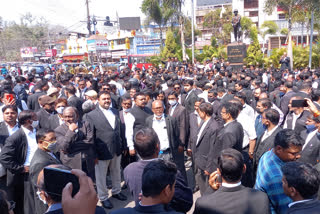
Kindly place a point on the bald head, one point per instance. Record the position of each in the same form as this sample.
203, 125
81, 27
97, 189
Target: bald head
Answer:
157, 107
70, 115
263, 95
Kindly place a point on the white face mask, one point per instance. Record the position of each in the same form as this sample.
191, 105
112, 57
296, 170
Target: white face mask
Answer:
35, 124
39, 196
127, 110
60, 109
172, 102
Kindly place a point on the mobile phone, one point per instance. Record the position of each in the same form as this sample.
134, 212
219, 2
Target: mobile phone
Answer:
219, 179
9, 97
299, 103
56, 179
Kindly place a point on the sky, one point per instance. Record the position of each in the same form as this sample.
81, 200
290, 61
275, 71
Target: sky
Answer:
69, 13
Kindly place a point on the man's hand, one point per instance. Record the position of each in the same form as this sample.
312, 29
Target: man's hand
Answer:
250, 155
311, 107
132, 152
85, 201
180, 149
26, 169
73, 126
213, 180
189, 152
206, 172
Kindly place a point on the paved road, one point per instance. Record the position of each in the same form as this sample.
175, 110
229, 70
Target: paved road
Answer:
130, 203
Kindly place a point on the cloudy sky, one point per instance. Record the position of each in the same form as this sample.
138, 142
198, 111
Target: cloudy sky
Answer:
69, 13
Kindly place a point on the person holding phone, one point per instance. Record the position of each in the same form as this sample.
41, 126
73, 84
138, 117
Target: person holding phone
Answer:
231, 196
297, 117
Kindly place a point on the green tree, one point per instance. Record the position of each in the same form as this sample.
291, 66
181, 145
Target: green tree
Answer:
220, 24
254, 53
158, 13
170, 47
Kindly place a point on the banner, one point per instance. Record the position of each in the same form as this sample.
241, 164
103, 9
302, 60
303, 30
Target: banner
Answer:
28, 52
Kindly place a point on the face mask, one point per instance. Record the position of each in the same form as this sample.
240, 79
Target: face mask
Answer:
127, 110
60, 109
281, 94
310, 128
39, 196
265, 126
211, 99
35, 124
172, 102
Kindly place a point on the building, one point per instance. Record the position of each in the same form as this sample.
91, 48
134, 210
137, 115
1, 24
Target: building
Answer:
202, 8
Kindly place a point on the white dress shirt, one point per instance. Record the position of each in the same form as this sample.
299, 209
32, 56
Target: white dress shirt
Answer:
173, 108
294, 120
230, 185
129, 121
309, 137
249, 132
160, 128
201, 130
267, 134
13, 129
32, 145
109, 115
248, 110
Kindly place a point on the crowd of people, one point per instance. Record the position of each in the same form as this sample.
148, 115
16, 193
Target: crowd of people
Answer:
251, 138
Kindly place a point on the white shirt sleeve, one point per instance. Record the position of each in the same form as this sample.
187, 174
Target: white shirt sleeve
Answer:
129, 122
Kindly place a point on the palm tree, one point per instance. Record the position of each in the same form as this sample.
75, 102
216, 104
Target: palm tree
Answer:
158, 12
271, 28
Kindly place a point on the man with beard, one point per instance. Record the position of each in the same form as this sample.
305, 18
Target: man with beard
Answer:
262, 105
46, 109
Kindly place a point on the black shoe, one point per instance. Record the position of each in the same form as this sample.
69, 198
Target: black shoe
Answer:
124, 186
107, 204
120, 197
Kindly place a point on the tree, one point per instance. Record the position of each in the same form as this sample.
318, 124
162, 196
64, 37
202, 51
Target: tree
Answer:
170, 46
254, 53
158, 13
271, 28
219, 23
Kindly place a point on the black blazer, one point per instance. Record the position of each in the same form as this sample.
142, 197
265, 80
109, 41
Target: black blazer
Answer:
311, 151
193, 130
33, 103
300, 122
4, 133
13, 155
310, 207
77, 103
172, 130
231, 136
207, 149
240, 200
99, 210
108, 141
180, 114
189, 102
140, 116
159, 208
43, 117
76, 147
262, 147
284, 102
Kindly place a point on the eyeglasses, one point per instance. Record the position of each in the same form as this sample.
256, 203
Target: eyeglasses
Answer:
106, 89
176, 88
12, 205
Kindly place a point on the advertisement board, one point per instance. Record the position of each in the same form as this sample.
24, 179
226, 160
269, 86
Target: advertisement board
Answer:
97, 45
28, 52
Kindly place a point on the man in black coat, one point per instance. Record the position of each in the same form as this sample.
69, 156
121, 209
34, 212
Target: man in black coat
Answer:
8, 127
284, 62
231, 196
289, 93
205, 146
46, 110
188, 99
301, 183
73, 100
231, 136
270, 119
179, 112
44, 156
148, 147
16, 156
140, 111
296, 120
75, 142
109, 146
311, 149
167, 130
40, 89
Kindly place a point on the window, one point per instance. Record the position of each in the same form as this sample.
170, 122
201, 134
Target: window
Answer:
253, 13
251, 4
282, 16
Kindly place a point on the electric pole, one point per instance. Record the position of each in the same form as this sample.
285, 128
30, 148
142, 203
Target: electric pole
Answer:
192, 30
88, 18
